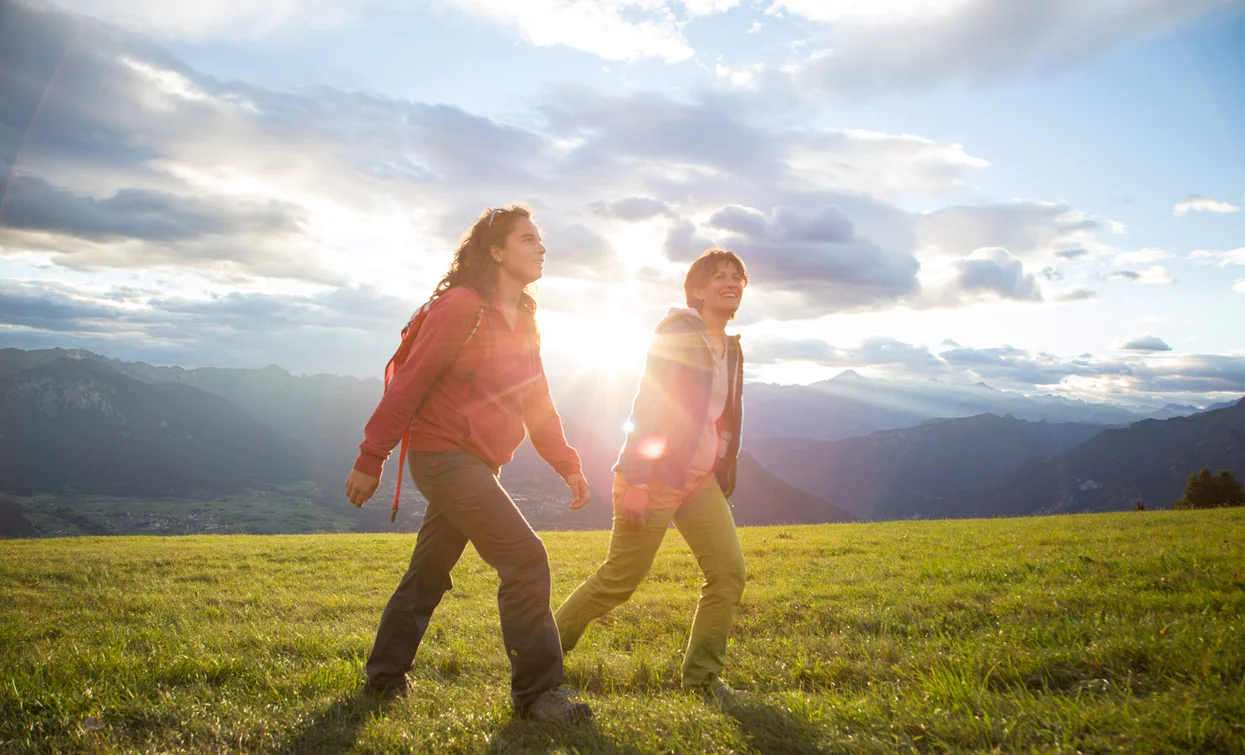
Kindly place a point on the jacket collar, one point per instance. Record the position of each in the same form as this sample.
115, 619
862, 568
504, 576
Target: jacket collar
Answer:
693, 318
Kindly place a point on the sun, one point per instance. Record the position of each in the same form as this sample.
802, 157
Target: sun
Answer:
607, 341
603, 324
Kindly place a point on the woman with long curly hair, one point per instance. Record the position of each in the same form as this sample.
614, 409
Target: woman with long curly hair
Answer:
472, 387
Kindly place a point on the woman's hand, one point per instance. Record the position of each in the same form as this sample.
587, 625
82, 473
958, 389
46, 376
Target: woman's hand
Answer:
360, 487
635, 506
579, 488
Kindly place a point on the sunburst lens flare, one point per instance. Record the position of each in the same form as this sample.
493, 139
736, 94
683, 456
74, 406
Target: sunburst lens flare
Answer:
652, 448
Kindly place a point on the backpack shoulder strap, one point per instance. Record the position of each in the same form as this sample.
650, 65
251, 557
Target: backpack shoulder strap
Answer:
406, 434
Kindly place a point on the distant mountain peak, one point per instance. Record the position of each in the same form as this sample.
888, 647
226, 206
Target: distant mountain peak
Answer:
850, 376
77, 355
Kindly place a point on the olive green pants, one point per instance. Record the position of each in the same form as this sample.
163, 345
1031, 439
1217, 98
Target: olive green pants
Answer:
703, 517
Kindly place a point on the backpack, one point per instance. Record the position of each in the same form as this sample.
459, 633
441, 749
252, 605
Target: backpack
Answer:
409, 332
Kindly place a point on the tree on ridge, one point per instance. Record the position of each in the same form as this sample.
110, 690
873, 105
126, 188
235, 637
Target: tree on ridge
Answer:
1207, 491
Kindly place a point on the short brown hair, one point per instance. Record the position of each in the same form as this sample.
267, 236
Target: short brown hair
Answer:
702, 269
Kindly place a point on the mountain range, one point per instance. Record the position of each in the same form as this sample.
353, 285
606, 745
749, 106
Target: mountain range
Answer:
918, 471
288, 427
1148, 462
850, 405
76, 422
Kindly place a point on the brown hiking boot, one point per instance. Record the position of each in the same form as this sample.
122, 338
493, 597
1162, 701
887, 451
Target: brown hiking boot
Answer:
554, 706
388, 690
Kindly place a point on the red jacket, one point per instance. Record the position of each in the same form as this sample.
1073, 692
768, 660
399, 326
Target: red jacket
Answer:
483, 398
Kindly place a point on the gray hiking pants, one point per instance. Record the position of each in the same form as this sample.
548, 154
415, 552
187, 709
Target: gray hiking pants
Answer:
467, 503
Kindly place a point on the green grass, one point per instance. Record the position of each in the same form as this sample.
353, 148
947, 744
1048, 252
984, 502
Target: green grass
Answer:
1112, 632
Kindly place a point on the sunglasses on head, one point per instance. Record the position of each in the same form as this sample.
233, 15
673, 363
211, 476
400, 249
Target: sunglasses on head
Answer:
491, 213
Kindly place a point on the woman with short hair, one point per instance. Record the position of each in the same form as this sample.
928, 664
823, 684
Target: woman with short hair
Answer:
678, 465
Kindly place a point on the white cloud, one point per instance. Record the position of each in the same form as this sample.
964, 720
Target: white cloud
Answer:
1152, 276
1199, 203
872, 352
610, 29
875, 11
208, 19
1147, 367
708, 7
996, 272
1221, 259
624, 30
804, 264
1141, 257
1036, 231
1075, 294
168, 82
1124, 377
1156, 276
1146, 343
1240, 286
891, 45
746, 76
874, 46
880, 163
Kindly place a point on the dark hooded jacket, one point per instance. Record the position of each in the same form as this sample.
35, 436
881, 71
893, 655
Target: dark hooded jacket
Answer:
672, 403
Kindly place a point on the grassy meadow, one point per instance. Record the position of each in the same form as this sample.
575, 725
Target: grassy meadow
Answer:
1091, 633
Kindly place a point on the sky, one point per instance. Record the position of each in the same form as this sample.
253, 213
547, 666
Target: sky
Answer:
1047, 197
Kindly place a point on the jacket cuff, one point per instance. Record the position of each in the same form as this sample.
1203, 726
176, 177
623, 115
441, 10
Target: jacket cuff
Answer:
369, 464
569, 466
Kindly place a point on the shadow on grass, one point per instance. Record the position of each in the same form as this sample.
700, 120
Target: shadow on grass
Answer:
771, 730
335, 729
520, 736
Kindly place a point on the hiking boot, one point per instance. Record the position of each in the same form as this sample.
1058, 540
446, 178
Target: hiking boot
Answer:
554, 706
721, 693
387, 691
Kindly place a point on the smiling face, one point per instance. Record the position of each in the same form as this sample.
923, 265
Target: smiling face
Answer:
523, 256
723, 291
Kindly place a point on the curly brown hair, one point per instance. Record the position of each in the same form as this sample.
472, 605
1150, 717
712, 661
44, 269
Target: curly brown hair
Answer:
474, 266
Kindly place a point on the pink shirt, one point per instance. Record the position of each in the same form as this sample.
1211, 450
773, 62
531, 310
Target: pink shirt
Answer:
710, 446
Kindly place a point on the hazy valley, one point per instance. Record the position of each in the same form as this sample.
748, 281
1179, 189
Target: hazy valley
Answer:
90, 445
